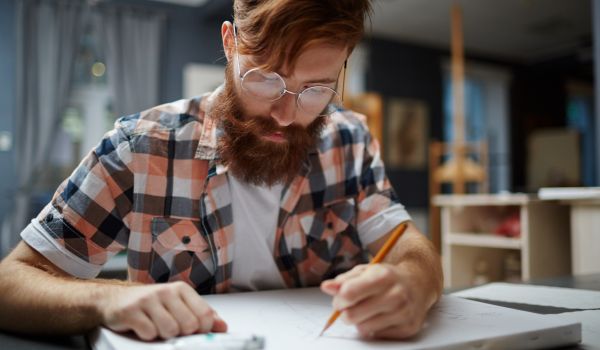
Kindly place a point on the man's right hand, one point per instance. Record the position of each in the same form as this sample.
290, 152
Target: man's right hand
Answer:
160, 310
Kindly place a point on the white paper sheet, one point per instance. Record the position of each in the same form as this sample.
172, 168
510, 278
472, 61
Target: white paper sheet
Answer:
590, 326
292, 319
535, 295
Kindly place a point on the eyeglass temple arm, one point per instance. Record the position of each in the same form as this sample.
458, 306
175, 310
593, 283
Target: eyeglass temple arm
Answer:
344, 80
237, 54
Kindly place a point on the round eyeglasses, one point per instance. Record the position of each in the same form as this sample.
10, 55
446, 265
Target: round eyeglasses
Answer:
315, 100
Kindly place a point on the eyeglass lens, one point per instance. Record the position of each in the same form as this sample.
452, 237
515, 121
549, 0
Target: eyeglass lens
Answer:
270, 86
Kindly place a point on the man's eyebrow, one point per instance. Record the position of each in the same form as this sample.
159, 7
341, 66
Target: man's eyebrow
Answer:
314, 81
322, 81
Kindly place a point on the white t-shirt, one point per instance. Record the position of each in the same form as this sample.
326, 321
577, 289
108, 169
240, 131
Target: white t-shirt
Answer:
255, 211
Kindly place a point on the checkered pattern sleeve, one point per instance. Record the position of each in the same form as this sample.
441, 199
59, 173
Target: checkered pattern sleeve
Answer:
376, 194
87, 217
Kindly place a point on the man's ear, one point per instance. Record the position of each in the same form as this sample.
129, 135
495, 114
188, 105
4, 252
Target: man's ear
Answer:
227, 37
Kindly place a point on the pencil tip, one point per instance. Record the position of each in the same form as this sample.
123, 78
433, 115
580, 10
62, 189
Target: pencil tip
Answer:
323, 330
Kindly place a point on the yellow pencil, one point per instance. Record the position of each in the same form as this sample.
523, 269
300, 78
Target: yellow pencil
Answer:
378, 258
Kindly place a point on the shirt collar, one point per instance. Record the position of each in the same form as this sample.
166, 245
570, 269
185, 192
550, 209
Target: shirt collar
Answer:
210, 133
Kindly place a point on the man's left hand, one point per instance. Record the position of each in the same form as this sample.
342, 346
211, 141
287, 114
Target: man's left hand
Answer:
381, 300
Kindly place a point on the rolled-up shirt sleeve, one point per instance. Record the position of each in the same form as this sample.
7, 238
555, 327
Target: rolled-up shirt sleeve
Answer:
85, 222
379, 209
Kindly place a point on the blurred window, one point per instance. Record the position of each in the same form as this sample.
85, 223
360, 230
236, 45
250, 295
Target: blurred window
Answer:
86, 118
580, 116
486, 117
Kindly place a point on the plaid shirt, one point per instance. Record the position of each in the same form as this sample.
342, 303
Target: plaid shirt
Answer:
155, 186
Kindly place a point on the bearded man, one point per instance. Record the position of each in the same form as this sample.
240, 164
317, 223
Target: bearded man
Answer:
264, 183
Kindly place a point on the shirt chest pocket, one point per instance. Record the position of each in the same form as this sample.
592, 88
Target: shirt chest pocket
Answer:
330, 234
180, 251
331, 241
326, 223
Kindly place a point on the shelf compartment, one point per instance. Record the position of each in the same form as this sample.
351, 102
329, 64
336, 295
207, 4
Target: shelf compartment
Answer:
482, 219
461, 272
483, 240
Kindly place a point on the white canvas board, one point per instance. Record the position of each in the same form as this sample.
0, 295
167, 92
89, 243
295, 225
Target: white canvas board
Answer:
590, 326
535, 295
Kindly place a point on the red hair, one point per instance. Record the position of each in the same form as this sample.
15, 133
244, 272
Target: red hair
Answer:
275, 31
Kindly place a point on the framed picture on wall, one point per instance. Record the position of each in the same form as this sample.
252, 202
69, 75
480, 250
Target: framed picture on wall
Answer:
406, 130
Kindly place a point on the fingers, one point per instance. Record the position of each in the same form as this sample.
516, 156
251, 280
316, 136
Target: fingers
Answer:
165, 322
332, 286
144, 328
398, 332
373, 281
139, 323
372, 306
164, 311
208, 320
181, 311
391, 325
219, 325
391, 315
187, 321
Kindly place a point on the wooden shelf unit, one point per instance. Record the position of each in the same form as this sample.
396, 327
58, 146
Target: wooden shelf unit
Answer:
468, 223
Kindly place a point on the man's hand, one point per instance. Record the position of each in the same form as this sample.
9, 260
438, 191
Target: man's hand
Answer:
161, 310
381, 300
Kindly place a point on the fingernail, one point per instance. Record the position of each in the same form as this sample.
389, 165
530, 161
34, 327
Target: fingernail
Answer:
345, 319
338, 305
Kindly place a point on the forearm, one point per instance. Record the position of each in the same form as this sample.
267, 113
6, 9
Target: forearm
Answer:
416, 255
33, 300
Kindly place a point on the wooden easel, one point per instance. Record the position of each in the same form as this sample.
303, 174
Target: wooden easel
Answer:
459, 162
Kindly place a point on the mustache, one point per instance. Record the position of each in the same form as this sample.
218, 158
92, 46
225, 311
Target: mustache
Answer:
263, 125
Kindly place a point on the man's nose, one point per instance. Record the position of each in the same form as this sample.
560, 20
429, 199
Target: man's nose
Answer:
284, 109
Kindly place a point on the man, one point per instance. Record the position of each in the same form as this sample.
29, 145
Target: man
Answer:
257, 185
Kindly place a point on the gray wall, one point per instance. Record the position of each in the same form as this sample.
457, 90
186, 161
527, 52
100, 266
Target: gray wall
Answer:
191, 37
7, 99
596, 34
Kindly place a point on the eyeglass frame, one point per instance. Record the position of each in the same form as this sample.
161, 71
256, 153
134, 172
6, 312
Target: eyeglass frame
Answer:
284, 90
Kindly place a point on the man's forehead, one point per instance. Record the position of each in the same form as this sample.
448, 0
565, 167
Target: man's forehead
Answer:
320, 62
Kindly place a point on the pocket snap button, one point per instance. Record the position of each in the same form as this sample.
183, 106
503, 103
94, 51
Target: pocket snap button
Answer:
186, 239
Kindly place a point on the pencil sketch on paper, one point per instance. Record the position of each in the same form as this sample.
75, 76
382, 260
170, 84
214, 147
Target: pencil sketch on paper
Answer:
311, 319
292, 319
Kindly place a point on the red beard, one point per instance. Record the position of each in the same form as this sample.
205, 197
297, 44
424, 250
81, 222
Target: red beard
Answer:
249, 156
